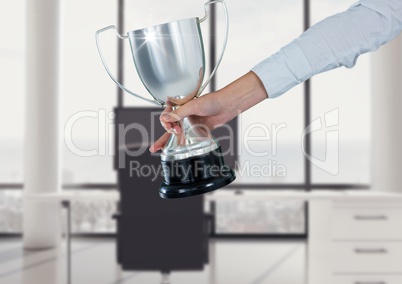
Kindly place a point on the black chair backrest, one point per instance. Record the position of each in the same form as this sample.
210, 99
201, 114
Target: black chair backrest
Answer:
154, 233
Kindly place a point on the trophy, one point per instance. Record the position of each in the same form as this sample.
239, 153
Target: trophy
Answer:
169, 59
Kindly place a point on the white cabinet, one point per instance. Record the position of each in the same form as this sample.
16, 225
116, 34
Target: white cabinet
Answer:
366, 257
366, 279
357, 242
367, 222
354, 237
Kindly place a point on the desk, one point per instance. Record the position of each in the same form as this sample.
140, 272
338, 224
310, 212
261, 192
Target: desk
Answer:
353, 236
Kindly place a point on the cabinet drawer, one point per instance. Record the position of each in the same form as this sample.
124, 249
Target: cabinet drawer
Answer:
366, 279
366, 257
366, 224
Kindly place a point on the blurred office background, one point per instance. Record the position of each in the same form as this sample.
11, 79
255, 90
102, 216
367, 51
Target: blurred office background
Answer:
242, 229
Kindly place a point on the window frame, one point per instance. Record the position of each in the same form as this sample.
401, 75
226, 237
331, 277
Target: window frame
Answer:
307, 185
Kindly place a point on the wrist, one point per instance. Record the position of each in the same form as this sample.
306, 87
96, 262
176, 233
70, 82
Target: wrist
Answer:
244, 93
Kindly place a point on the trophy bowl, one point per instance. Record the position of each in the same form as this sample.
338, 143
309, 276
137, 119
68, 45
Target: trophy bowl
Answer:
170, 61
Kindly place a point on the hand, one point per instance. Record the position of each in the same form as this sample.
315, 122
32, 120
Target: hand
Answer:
213, 109
208, 110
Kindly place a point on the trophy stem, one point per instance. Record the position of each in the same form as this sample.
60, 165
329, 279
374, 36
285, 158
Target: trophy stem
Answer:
195, 139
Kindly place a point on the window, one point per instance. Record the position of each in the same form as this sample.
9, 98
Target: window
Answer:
88, 94
269, 134
343, 94
273, 129
12, 90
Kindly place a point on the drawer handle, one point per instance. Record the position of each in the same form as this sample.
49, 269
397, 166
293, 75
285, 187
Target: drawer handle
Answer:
366, 250
366, 282
370, 217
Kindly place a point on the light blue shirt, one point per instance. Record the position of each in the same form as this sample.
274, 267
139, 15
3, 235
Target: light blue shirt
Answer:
334, 42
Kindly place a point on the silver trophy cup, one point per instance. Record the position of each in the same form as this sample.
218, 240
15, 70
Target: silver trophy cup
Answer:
170, 61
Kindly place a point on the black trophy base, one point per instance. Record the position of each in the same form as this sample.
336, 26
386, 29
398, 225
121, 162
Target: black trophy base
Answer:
195, 175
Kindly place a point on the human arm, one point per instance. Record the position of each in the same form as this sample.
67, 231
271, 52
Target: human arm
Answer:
336, 41
216, 108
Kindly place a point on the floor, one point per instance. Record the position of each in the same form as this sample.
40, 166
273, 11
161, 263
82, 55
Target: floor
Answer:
93, 262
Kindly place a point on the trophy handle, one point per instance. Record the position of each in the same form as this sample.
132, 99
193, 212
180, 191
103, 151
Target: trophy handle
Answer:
224, 42
108, 70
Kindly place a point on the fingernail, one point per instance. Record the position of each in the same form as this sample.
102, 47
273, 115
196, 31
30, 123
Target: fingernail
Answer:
165, 117
151, 149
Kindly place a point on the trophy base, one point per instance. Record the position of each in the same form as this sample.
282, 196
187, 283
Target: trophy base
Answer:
195, 175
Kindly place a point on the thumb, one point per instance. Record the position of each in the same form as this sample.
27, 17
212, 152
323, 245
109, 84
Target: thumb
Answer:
190, 108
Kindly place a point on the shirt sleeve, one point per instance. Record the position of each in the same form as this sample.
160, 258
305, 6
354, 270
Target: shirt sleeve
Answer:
336, 41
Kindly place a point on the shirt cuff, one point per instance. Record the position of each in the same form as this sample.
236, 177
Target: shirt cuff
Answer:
283, 70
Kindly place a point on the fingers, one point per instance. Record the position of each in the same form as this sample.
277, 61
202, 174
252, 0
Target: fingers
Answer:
169, 107
188, 109
175, 128
160, 143
171, 127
